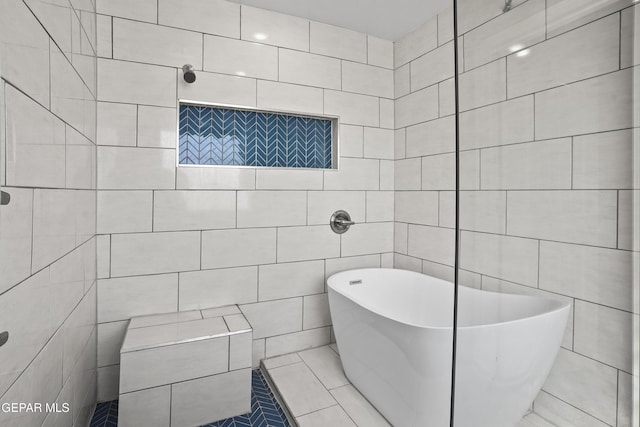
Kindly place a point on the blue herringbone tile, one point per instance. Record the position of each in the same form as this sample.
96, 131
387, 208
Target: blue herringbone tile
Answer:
265, 410
219, 136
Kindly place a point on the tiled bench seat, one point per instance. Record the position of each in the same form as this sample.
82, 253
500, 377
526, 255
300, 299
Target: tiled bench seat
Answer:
185, 369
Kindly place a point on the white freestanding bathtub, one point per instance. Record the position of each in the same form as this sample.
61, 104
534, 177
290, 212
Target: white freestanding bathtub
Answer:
394, 333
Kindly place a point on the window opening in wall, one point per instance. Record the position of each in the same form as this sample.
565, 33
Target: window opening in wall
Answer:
212, 135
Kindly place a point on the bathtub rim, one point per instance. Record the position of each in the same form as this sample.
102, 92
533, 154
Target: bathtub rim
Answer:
560, 305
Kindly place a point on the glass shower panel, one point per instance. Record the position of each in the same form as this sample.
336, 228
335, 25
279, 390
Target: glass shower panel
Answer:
424, 217
548, 167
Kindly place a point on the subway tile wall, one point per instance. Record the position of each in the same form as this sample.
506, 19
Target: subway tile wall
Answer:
48, 230
546, 173
183, 238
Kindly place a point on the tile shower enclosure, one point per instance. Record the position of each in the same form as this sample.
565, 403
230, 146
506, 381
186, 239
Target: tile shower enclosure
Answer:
544, 136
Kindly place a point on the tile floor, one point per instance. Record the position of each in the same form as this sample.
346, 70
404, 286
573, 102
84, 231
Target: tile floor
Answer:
265, 410
315, 391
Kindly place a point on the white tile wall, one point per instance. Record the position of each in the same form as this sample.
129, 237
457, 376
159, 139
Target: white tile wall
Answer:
352, 108
271, 208
307, 69
104, 48
16, 236
124, 211
30, 147
483, 85
364, 239
289, 343
380, 52
273, 28
338, 42
593, 105
193, 210
234, 248
55, 232
197, 178
518, 262
417, 107
146, 84
498, 124
579, 271
215, 288
603, 160
380, 206
354, 174
136, 168
274, 317
431, 243
625, 218
110, 338
116, 124
432, 67
145, 10
529, 166
315, 311
241, 58
416, 207
484, 211
217, 17
416, 43
218, 88
516, 30
284, 280
273, 179
336, 265
123, 298
378, 143
566, 15
628, 49
433, 137
150, 253
585, 217
600, 333
402, 80
586, 52
156, 127
408, 175
155, 44
288, 97
25, 51
322, 204
321, 242
367, 79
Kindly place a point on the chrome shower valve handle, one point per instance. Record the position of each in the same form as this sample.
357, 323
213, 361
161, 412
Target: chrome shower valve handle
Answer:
340, 222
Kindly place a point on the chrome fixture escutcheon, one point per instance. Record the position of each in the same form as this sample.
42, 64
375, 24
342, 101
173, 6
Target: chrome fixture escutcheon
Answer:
340, 221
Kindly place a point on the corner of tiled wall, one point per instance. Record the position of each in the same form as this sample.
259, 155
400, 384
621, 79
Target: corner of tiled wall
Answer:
546, 176
47, 232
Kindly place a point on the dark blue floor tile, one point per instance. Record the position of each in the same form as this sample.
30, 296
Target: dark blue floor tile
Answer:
265, 410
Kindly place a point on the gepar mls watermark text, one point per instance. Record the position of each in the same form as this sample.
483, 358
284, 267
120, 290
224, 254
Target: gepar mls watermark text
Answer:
34, 407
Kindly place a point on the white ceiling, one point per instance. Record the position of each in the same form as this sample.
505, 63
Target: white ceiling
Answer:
387, 19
